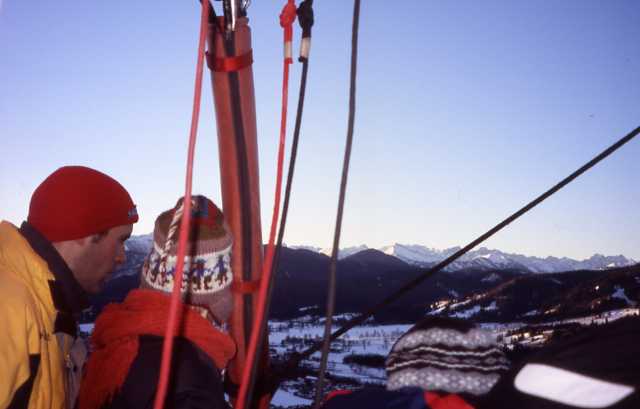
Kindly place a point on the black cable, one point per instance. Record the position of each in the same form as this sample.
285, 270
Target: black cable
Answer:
343, 187
305, 19
430, 272
283, 221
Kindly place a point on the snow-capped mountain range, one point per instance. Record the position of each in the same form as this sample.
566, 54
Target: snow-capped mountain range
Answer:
139, 244
485, 258
482, 258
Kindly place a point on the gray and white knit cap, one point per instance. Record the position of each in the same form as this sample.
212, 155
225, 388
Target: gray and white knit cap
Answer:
446, 355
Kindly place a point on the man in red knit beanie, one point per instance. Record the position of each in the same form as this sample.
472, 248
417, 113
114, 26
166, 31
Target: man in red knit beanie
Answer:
79, 219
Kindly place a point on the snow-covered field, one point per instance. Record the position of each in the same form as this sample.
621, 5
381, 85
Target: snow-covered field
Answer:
286, 337
296, 336
290, 336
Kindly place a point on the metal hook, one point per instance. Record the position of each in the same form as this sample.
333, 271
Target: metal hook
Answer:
230, 14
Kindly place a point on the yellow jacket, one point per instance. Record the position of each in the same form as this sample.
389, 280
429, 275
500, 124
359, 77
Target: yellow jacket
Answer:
32, 362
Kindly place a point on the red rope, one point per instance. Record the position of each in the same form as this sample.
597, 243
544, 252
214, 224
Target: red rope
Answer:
287, 17
174, 317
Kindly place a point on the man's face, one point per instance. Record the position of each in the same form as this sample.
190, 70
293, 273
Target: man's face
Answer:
100, 255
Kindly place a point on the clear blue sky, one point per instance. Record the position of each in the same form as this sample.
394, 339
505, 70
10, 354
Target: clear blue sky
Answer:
466, 111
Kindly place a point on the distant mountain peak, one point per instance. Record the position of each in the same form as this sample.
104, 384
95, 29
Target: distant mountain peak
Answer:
346, 251
482, 258
378, 257
489, 259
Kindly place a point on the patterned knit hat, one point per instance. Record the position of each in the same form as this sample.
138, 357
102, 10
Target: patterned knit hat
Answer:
446, 355
207, 265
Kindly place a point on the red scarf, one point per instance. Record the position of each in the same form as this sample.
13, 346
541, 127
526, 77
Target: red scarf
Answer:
115, 342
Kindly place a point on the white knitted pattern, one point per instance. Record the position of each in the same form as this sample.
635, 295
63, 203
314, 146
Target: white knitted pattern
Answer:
488, 365
449, 380
218, 276
479, 354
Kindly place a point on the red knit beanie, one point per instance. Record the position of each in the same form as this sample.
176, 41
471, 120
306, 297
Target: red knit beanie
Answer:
76, 202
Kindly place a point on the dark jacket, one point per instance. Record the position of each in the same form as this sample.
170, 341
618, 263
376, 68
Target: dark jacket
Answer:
597, 368
195, 380
122, 370
381, 398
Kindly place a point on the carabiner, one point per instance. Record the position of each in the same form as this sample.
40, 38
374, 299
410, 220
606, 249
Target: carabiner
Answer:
230, 14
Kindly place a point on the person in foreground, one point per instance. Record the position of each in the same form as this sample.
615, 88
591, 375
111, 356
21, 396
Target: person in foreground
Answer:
440, 363
122, 371
597, 368
74, 235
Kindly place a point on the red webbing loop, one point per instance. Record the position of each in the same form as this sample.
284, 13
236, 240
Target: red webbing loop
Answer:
287, 17
229, 64
245, 287
172, 324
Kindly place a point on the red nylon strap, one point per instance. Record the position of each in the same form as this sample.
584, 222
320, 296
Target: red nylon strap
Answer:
173, 320
245, 287
287, 17
286, 20
337, 392
228, 64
